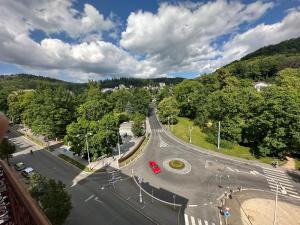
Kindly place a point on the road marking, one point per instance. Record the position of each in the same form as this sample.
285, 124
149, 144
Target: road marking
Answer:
205, 221
288, 191
186, 220
277, 178
272, 182
97, 200
271, 170
254, 172
295, 196
288, 188
89, 198
276, 175
199, 221
192, 205
193, 220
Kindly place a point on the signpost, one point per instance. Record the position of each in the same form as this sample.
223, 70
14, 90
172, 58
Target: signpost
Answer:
226, 213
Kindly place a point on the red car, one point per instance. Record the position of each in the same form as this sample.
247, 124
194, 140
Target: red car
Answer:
153, 165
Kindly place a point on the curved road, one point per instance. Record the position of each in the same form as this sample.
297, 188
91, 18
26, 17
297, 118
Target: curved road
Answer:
211, 175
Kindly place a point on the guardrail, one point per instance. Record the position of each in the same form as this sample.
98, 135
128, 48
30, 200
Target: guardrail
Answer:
133, 154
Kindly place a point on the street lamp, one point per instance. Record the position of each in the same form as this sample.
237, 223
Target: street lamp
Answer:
87, 145
140, 179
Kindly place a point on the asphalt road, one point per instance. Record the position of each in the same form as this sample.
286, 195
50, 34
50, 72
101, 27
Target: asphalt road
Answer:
210, 176
91, 205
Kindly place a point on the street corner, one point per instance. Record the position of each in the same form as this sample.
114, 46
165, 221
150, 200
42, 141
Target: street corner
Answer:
259, 207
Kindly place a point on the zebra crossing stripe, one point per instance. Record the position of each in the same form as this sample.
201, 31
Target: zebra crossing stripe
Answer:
276, 175
274, 180
193, 220
292, 192
271, 182
205, 221
199, 221
287, 188
271, 170
186, 219
278, 178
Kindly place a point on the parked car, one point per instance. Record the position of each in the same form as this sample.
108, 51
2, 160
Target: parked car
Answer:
153, 165
27, 172
20, 166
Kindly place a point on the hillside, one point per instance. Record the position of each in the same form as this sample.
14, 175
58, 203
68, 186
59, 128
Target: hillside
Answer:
266, 62
28, 81
291, 46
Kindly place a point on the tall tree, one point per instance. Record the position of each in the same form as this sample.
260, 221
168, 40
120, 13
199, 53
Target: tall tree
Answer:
6, 150
54, 200
168, 110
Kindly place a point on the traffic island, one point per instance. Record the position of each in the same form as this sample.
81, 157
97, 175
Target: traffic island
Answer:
177, 165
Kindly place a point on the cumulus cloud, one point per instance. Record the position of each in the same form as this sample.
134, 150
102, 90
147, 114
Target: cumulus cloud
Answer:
262, 35
53, 17
182, 37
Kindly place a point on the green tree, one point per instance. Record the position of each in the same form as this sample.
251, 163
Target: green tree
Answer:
138, 128
51, 195
140, 101
168, 110
6, 150
50, 111
120, 99
94, 109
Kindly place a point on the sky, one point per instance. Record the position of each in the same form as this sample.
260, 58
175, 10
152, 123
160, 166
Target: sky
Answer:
82, 40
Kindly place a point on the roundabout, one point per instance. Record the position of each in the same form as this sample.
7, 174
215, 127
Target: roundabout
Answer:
177, 165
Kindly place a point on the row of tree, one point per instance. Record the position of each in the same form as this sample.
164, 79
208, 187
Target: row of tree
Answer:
268, 120
92, 116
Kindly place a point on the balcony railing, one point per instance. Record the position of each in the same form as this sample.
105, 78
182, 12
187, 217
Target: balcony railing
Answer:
17, 207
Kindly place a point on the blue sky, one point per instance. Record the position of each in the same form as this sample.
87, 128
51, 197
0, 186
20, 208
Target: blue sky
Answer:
81, 40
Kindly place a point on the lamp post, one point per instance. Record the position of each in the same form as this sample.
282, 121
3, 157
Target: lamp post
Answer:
219, 131
119, 145
87, 145
140, 179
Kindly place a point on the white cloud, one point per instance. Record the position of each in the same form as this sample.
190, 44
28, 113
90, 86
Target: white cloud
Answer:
262, 35
180, 37
53, 16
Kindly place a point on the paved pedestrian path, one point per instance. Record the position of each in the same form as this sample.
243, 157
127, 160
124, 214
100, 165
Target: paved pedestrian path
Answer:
275, 177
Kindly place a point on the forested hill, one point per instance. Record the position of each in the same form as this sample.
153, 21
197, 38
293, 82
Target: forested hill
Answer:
28, 81
265, 63
291, 46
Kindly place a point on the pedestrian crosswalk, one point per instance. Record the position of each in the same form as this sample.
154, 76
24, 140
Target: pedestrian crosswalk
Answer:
162, 144
285, 186
191, 220
157, 130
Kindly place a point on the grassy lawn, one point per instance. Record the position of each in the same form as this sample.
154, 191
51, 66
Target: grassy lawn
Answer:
199, 138
74, 162
297, 161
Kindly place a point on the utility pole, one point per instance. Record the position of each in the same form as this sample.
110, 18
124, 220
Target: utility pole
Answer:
190, 132
172, 123
169, 122
87, 148
119, 145
219, 131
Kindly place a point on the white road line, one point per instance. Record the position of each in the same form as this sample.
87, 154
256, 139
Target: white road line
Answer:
213, 224
287, 188
286, 191
199, 221
186, 219
276, 175
205, 221
271, 182
280, 181
271, 170
295, 196
193, 220
89, 198
278, 178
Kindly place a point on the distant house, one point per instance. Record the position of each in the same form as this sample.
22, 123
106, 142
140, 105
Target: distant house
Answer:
161, 85
259, 85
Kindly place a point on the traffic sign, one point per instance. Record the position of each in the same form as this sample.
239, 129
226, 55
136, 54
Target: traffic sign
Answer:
227, 214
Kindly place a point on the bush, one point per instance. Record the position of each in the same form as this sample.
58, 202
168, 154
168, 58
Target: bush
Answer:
123, 117
211, 138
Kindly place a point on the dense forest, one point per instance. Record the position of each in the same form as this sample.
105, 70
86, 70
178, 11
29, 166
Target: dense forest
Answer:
268, 121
